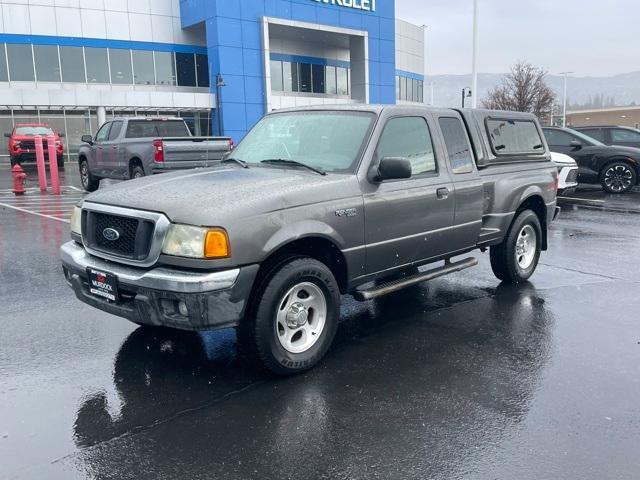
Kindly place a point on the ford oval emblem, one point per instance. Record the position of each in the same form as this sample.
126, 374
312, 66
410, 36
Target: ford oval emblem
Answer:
111, 234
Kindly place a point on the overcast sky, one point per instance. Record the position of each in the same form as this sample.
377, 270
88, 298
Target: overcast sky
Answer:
589, 37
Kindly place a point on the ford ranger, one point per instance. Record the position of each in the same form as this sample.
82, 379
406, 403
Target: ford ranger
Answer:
312, 204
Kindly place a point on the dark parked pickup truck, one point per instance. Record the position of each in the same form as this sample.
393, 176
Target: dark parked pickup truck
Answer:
312, 204
127, 148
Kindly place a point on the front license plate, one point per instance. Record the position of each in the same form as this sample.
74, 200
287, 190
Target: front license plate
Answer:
103, 284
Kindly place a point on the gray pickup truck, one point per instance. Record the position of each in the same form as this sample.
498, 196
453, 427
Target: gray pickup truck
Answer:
315, 203
126, 148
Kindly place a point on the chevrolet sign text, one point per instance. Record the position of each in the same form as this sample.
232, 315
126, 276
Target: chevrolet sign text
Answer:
368, 5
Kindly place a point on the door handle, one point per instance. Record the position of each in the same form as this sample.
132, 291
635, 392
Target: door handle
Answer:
442, 193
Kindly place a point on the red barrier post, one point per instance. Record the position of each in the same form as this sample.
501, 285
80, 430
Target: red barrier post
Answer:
53, 164
42, 169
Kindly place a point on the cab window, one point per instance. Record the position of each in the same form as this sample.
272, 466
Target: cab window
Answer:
558, 138
457, 143
115, 130
408, 137
103, 133
621, 135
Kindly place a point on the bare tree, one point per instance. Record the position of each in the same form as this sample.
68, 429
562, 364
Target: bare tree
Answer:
523, 90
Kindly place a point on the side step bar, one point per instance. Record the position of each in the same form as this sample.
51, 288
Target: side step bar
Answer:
446, 269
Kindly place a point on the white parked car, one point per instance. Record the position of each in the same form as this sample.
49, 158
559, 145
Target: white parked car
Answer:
568, 173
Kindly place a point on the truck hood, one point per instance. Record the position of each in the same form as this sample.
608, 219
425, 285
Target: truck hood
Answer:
212, 196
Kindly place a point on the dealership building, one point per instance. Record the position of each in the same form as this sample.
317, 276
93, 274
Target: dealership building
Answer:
219, 64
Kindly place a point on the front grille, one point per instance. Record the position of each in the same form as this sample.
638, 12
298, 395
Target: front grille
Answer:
573, 176
31, 145
134, 235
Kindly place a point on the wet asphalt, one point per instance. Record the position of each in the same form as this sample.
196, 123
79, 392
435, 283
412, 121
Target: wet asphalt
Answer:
461, 378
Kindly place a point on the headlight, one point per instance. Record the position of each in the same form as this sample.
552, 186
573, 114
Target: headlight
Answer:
196, 242
76, 221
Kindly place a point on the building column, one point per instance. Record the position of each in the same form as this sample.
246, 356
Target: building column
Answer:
101, 113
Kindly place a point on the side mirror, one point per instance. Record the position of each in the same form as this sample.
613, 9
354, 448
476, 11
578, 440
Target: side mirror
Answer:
87, 139
61, 135
7, 135
575, 145
393, 168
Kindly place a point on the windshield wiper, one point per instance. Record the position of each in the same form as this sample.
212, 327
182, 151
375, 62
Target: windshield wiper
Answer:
283, 161
242, 163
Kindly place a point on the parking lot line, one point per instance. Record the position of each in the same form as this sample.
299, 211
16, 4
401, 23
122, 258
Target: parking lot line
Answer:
32, 213
55, 207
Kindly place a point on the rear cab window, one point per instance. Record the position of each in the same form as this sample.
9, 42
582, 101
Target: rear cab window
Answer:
511, 137
156, 128
457, 145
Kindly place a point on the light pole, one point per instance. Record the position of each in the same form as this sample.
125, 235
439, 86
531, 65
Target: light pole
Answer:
474, 59
219, 84
424, 67
466, 92
564, 99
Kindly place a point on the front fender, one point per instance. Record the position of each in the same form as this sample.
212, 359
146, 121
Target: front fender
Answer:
299, 230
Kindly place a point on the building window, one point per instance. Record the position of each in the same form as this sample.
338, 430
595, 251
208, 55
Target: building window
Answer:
342, 81
72, 63
143, 70
186, 69
305, 77
330, 82
4, 74
97, 65
317, 74
409, 89
290, 72
47, 63
120, 62
202, 67
277, 84
20, 61
165, 68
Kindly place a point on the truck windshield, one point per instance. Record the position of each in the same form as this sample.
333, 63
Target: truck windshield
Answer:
157, 128
330, 141
34, 130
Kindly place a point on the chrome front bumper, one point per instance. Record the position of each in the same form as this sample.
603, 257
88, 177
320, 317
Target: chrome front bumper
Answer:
151, 296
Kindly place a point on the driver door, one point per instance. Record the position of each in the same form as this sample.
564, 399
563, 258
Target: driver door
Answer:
99, 154
408, 220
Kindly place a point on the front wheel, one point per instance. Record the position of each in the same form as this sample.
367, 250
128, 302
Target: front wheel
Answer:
516, 258
295, 316
618, 177
89, 182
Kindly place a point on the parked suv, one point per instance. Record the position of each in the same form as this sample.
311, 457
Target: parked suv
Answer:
315, 203
22, 147
126, 148
623, 136
617, 169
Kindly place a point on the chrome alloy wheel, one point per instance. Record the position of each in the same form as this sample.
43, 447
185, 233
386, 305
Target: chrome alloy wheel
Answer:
618, 178
301, 317
84, 174
526, 246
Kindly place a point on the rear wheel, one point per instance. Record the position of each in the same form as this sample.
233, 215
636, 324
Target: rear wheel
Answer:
294, 317
137, 172
89, 182
516, 258
618, 177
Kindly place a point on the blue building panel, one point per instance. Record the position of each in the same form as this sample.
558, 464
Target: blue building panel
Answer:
234, 46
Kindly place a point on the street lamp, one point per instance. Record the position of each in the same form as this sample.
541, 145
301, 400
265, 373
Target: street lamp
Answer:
474, 59
564, 99
466, 93
219, 84
424, 68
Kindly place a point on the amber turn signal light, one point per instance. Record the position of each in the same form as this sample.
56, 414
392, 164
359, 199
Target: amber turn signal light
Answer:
216, 244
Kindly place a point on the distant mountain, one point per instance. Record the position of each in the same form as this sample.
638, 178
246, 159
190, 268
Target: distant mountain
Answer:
583, 92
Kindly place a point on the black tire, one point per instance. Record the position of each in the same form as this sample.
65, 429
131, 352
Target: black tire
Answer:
137, 171
257, 333
506, 261
89, 182
618, 177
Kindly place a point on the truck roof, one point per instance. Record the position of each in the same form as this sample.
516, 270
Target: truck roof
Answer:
145, 118
406, 107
